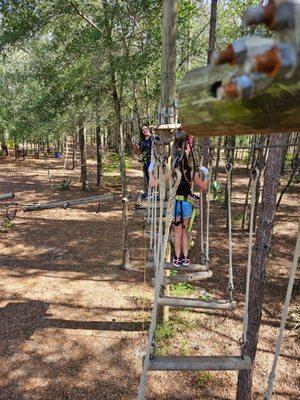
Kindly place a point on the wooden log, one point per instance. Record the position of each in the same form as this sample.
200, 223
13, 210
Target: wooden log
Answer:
191, 267
199, 363
195, 303
201, 113
191, 277
67, 203
6, 196
165, 127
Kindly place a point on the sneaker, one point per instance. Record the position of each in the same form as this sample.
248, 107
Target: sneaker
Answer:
185, 261
176, 262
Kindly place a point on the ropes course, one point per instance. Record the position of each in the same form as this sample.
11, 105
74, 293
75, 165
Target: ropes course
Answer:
216, 100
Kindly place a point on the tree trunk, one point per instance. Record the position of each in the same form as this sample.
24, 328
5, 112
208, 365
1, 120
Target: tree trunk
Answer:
284, 154
260, 165
212, 30
259, 261
82, 145
168, 91
99, 156
201, 224
218, 158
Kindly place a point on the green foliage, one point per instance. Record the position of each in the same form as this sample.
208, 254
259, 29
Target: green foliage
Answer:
56, 68
181, 289
184, 347
65, 185
203, 378
216, 191
7, 224
111, 163
167, 331
205, 296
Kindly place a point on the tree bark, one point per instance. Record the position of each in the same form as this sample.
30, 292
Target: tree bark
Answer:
99, 155
168, 56
260, 165
259, 261
168, 92
212, 30
82, 145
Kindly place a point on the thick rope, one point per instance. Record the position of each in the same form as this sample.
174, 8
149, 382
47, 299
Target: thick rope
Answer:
254, 180
201, 219
208, 216
272, 376
159, 276
230, 267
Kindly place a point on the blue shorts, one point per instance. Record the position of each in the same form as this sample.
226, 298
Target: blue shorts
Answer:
182, 208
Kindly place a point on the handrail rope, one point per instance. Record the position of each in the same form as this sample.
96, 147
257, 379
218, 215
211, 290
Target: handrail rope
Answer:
210, 166
272, 376
254, 181
158, 280
230, 267
201, 216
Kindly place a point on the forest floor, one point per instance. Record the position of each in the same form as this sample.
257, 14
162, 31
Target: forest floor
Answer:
73, 325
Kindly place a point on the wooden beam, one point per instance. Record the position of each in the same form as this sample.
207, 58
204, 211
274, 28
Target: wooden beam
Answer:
199, 363
191, 267
67, 203
166, 127
195, 303
201, 113
191, 277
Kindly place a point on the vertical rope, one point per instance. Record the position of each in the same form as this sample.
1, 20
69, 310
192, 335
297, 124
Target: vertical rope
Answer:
159, 276
208, 216
272, 376
254, 180
230, 267
201, 218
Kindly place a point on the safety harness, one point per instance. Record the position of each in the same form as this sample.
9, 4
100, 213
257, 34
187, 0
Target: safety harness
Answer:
195, 213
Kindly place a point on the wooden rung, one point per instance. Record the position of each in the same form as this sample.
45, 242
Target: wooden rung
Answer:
195, 303
143, 211
199, 363
166, 126
191, 267
192, 277
144, 205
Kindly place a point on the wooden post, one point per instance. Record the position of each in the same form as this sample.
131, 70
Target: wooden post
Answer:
82, 144
99, 155
259, 261
168, 57
168, 91
212, 30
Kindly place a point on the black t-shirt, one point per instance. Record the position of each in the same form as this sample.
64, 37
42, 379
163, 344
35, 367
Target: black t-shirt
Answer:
184, 188
145, 148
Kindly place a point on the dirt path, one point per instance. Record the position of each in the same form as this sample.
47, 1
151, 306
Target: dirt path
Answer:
73, 324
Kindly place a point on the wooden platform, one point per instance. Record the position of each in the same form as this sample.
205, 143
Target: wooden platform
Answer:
195, 303
191, 277
192, 267
200, 363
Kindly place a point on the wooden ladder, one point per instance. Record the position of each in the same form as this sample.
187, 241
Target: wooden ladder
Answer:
151, 362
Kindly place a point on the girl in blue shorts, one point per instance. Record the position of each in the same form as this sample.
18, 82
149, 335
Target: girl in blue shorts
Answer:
183, 211
183, 205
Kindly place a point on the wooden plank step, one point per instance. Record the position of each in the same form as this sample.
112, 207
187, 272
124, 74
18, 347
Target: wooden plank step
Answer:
143, 211
191, 267
200, 363
192, 277
143, 205
196, 303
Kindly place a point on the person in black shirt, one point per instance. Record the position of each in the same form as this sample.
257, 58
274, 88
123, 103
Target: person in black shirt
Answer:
144, 148
183, 205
